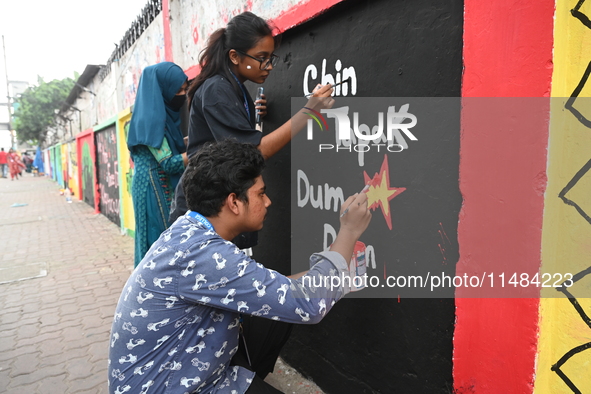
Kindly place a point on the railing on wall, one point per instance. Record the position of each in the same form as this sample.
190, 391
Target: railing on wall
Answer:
148, 14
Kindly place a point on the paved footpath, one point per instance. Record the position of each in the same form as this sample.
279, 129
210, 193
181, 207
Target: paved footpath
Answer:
62, 268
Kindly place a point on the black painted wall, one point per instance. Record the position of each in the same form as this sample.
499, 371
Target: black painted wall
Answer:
399, 49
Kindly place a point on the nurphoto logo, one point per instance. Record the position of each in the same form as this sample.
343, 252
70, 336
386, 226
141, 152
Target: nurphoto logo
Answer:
360, 137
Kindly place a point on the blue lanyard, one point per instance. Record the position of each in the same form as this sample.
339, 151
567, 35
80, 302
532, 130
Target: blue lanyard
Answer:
201, 219
244, 94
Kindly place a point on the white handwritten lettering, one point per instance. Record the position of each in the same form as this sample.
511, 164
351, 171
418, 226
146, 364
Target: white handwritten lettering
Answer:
311, 74
333, 197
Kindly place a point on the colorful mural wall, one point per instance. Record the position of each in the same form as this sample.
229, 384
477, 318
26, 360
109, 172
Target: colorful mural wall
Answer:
56, 164
47, 161
106, 101
505, 189
148, 50
195, 21
87, 177
200, 19
125, 173
64, 165
107, 172
565, 324
545, 171
495, 339
72, 165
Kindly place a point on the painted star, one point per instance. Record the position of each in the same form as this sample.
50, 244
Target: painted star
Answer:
380, 193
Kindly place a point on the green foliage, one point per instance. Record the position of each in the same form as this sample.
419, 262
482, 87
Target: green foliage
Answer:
35, 112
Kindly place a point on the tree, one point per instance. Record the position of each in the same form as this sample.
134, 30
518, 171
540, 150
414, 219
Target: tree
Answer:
36, 108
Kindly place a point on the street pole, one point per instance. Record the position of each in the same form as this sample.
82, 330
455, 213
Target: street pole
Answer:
8, 103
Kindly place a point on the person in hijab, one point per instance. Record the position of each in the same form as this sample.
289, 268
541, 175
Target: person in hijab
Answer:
157, 149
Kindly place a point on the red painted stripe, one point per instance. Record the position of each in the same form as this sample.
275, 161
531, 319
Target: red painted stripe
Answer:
193, 71
166, 27
301, 13
507, 53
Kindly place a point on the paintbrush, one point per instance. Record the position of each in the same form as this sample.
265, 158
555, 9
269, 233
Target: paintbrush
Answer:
335, 85
366, 188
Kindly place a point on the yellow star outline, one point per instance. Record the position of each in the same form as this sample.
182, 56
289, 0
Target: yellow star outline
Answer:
380, 193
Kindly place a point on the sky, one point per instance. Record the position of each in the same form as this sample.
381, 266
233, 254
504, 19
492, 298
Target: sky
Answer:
54, 39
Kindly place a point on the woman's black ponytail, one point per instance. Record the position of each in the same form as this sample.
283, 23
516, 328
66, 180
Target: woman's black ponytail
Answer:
242, 33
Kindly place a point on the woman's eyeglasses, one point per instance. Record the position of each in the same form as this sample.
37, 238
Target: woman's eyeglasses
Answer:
264, 62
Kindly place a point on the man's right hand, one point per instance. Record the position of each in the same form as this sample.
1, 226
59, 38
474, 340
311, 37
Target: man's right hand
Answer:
355, 218
357, 215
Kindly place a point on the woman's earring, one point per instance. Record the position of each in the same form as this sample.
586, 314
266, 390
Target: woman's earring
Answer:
248, 67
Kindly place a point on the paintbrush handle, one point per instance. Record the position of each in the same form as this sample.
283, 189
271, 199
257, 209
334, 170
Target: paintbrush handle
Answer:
335, 85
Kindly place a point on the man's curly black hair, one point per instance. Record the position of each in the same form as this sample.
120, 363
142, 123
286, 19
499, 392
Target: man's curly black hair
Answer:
217, 170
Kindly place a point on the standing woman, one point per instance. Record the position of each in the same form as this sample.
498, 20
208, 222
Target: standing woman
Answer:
220, 105
157, 149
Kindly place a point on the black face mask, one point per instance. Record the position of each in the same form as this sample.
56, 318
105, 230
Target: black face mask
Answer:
176, 103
